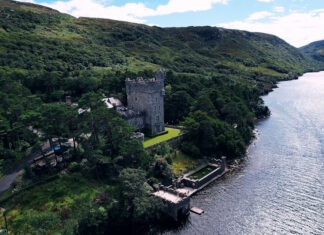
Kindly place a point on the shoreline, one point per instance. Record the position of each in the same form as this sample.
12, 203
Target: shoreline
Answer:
257, 182
236, 164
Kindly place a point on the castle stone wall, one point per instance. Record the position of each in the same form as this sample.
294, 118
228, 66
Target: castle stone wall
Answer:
136, 122
147, 97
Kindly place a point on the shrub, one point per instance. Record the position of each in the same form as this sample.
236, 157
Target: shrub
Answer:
74, 166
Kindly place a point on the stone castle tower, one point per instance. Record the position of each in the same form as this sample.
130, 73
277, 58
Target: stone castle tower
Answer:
147, 97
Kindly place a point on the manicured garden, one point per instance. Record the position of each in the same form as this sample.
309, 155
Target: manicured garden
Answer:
171, 133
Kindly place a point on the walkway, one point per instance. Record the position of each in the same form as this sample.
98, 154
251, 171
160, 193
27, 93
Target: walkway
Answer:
8, 179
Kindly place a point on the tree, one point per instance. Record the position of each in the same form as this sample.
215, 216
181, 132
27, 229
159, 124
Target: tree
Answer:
163, 149
177, 106
73, 125
135, 204
162, 170
204, 104
54, 122
212, 136
94, 113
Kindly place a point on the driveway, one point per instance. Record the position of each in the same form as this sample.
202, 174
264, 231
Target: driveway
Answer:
8, 179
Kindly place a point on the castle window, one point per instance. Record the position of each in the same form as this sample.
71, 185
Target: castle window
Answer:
157, 118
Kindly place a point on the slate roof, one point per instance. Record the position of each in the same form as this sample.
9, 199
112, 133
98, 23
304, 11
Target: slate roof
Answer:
128, 113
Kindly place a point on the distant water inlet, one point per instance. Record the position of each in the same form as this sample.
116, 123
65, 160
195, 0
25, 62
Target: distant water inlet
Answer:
280, 187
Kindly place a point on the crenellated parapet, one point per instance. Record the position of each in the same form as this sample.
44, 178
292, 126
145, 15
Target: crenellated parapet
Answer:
152, 85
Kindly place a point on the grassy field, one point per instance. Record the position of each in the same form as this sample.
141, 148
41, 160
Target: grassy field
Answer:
182, 163
54, 206
172, 132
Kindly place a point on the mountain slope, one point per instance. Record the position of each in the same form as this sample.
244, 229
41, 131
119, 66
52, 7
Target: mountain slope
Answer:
214, 78
314, 50
35, 38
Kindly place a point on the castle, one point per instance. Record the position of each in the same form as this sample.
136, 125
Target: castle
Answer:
146, 99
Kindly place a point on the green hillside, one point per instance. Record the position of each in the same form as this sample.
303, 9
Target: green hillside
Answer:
315, 50
38, 40
214, 80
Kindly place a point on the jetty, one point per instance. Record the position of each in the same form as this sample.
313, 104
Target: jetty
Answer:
177, 197
178, 204
196, 210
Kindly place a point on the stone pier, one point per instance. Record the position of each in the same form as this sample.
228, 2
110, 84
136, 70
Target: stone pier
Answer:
178, 204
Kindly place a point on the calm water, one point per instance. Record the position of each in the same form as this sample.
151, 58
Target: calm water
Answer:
280, 188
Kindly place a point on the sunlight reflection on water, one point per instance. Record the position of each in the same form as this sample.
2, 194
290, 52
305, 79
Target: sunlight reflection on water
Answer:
280, 188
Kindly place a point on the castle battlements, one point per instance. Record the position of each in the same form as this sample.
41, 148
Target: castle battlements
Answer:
145, 85
141, 80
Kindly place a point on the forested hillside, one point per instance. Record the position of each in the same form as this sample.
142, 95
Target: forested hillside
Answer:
214, 79
315, 50
54, 55
43, 45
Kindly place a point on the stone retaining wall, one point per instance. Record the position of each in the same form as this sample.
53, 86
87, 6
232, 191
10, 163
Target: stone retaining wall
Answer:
195, 184
179, 209
173, 143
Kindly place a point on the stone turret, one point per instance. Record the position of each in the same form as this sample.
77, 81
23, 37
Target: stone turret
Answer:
147, 97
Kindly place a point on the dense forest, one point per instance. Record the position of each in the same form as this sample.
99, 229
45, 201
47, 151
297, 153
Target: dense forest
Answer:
214, 80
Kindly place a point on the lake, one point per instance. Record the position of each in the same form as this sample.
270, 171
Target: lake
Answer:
280, 186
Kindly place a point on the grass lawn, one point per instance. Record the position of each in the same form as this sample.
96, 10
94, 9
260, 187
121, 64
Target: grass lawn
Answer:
182, 163
149, 141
